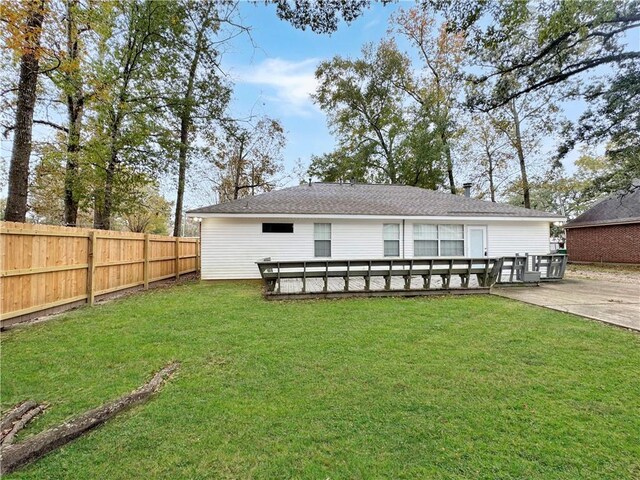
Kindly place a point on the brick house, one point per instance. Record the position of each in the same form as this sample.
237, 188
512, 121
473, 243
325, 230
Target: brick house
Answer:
607, 232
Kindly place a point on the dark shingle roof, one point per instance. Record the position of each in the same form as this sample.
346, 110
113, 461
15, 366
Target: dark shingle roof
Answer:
367, 199
623, 207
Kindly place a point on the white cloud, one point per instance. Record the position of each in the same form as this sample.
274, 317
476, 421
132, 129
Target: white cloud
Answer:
373, 23
290, 83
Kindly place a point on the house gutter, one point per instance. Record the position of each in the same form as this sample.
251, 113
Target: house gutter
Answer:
481, 218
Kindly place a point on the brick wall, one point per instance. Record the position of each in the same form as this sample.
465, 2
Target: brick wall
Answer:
614, 243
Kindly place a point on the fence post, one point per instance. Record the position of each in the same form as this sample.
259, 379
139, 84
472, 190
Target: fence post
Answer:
91, 270
177, 258
145, 273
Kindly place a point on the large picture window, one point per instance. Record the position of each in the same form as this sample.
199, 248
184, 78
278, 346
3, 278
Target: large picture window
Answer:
438, 240
322, 239
391, 235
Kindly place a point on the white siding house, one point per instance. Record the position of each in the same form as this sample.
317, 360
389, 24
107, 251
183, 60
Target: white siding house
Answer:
237, 234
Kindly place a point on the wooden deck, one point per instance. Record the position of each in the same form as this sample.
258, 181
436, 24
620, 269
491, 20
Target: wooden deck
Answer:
334, 278
292, 288
405, 277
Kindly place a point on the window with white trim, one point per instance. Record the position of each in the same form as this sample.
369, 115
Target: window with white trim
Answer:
322, 239
391, 236
425, 240
438, 240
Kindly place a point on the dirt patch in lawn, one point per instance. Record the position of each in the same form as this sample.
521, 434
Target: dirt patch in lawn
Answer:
627, 274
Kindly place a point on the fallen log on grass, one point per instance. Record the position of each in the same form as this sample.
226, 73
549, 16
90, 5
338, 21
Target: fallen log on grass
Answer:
19, 422
16, 455
9, 418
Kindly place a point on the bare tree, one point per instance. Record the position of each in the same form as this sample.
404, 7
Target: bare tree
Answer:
249, 158
486, 153
526, 121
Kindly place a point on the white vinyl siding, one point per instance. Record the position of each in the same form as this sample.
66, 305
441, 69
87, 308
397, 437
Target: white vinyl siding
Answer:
391, 238
511, 237
231, 246
322, 239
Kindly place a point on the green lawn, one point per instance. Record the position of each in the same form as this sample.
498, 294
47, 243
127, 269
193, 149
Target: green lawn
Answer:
467, 387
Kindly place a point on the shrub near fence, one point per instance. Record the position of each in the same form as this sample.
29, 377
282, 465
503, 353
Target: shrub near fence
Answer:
43, 267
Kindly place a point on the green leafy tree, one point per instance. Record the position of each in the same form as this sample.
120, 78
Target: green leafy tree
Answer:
197, 94
365, 110
612, 118
47, 189
81, 23
580, 47
321, 16
541, 44
124, 122
440, 82
568, 195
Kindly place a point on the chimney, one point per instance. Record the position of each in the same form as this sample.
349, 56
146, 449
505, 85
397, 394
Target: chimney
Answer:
467, 189
309, 181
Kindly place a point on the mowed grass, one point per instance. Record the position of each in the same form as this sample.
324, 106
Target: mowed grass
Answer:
450, 387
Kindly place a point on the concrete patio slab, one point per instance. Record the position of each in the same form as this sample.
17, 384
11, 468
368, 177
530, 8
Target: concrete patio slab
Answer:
606, 301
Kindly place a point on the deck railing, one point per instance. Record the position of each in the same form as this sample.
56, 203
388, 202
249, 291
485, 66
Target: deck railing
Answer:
515, 269
551, 267
406, 276
426, 270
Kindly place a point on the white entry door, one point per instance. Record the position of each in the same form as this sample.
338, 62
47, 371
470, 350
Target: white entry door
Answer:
477, 242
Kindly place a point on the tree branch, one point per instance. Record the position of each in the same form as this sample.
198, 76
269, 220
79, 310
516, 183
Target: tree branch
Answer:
52, 125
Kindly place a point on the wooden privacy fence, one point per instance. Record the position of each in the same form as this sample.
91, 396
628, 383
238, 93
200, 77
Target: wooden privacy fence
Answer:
43, 267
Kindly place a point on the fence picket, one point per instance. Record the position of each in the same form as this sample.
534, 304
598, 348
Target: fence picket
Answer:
64, 265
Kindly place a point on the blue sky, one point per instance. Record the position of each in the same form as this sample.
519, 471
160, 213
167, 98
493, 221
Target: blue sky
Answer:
273, 72
276, 76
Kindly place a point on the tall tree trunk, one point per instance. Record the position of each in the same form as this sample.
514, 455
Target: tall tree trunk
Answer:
75, 107
452, 183
107, 205
520, 152
182, 173
104, 201
104, 198
492, 187
71, 170
185, 126
238, 173
391, 168
16, 209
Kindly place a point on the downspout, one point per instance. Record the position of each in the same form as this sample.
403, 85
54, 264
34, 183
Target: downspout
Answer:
403, 220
